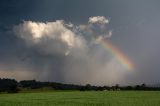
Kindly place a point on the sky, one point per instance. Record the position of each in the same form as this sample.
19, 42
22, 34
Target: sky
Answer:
100, 42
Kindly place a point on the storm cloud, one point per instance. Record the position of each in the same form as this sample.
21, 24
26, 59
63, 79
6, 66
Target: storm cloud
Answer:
64, 52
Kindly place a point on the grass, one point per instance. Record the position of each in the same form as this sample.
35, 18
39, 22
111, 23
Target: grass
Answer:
77, 98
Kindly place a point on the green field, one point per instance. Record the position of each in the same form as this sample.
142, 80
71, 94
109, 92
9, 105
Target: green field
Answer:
77, 98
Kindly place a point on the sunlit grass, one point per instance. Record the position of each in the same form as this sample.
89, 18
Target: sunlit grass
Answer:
76, 98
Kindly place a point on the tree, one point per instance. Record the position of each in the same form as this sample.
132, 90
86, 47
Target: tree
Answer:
9, 85
117, 86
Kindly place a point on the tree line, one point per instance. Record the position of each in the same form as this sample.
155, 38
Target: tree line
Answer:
13, 86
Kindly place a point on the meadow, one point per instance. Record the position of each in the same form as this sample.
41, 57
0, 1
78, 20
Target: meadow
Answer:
79, 98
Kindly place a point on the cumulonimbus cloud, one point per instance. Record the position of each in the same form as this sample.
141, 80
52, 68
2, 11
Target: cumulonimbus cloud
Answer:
66, 52
60, 37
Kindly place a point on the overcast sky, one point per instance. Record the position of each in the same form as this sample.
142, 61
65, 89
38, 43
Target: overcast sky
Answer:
51, 40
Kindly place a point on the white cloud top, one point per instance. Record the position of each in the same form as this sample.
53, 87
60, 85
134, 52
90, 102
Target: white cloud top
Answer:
53, 35
98, 19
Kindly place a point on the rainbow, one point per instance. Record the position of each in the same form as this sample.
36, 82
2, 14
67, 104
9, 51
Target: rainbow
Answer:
118, 54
